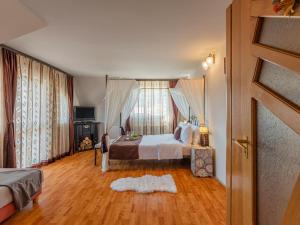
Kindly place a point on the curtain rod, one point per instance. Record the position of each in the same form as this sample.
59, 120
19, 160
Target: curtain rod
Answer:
115, 78
156, 79
33, 58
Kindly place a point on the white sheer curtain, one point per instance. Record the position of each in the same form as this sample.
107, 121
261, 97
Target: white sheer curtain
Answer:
130, 103
193, 90
2, 111
117, 93
41, 114
181, 102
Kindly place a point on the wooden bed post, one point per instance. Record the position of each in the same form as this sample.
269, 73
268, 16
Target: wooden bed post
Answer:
106, 131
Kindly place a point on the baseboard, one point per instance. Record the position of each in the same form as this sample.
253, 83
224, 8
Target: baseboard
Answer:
224, 185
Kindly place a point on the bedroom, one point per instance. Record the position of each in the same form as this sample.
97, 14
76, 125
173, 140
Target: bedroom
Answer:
148, 112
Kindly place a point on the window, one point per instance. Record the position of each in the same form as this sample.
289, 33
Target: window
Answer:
153, 113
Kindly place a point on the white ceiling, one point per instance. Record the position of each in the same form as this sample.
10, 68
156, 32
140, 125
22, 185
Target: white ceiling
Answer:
128, 38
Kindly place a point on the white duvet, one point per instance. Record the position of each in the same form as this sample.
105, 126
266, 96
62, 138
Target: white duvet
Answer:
163, 146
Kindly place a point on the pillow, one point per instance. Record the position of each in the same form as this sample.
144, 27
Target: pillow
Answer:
181, 124
186, 135
196, 135
177, 133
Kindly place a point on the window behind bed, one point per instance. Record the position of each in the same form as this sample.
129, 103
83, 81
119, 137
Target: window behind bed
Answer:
153, 113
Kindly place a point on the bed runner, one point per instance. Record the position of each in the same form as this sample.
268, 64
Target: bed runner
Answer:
23, 184
124, 149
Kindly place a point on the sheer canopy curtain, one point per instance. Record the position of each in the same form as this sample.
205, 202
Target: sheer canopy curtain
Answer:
2, 111
181, 102
153, 113
41, 113
117, 93
193, 90
130, 103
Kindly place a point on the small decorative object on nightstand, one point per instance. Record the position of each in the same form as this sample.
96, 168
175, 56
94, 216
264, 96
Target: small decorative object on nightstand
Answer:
204, 135
202, 161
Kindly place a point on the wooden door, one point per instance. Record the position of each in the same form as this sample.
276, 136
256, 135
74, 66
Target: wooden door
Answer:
263, 150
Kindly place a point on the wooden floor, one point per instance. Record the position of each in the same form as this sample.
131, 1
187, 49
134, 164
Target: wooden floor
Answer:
76, 192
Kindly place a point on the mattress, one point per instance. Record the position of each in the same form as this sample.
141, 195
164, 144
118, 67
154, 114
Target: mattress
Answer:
163, 146
5, 196
152, 147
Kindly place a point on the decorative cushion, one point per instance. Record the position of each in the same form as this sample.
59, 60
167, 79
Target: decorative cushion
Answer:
177, 133
186, 135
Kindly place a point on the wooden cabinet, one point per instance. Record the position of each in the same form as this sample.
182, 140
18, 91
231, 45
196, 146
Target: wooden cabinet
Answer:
86, 135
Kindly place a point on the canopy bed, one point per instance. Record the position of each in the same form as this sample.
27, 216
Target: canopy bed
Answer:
121, 97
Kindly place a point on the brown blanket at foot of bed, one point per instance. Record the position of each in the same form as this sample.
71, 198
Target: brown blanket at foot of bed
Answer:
124, 149
23, 183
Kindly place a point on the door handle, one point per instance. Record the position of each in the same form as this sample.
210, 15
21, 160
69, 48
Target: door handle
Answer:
243, 144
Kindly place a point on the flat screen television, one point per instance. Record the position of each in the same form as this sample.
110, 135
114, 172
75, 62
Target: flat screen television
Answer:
84, 113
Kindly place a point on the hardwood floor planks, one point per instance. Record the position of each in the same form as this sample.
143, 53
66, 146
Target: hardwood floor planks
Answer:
76, 192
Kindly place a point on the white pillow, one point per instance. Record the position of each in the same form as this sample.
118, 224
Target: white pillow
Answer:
186, 135
181, 124
196, 135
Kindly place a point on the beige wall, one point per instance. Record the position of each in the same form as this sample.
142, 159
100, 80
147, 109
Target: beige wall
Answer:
90, 91
216, 110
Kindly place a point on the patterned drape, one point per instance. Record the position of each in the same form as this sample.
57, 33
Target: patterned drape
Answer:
41, 113
71, 114
9, 87
2, 111
153, 113
172, 84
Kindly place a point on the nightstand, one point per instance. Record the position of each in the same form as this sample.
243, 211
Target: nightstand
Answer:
202, 161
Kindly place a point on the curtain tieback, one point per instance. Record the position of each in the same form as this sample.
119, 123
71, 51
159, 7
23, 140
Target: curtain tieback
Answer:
10, 123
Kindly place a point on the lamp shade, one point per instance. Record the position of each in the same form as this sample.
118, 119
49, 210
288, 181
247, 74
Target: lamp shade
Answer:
210, 60
203, 130
205, 65
204, 136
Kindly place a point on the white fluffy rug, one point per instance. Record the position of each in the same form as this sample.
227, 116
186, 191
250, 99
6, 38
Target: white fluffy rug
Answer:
145, 184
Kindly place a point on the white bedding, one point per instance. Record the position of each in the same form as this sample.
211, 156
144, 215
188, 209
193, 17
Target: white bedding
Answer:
163, 146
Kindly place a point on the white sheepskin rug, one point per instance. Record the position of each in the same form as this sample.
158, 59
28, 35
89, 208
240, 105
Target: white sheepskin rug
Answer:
145, 184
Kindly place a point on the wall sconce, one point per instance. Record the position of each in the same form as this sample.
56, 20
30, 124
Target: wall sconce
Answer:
210, 59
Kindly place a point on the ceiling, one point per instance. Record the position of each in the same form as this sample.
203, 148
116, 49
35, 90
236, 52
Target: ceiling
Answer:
128, 38
18, 23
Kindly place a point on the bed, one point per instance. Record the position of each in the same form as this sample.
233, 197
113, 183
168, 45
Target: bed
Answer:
17, 188
148, 147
